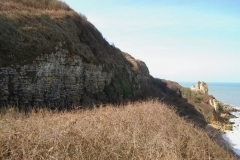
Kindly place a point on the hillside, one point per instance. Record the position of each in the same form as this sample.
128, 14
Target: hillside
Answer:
52, 56
142, 130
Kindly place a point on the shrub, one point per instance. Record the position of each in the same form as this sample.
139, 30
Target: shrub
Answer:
197, 100
143, 130
186, 92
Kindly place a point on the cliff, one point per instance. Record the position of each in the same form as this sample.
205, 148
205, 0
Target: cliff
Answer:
52, 56
57, 58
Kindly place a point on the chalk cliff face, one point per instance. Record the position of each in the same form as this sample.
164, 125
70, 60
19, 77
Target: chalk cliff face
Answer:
215, 104
200, 87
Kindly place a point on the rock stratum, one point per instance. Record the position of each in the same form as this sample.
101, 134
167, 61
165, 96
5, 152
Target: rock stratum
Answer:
52, 56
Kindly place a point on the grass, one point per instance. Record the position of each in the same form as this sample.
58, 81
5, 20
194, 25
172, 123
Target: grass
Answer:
143, 130
35, 33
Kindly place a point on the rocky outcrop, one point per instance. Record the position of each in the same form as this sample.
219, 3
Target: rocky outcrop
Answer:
215, 104
221, 107
212, 109
227, 108
200, 87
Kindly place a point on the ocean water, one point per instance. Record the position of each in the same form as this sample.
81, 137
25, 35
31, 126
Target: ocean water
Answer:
228, 93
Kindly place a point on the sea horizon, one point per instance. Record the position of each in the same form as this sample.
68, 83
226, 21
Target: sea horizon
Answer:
227, 92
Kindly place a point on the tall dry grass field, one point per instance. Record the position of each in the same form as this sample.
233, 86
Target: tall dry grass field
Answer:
143, 130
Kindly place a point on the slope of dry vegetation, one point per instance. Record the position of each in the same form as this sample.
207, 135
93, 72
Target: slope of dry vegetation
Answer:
33, 4
143, 130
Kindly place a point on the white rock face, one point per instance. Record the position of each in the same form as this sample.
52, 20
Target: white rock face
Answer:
215, 103
220, 106
200, 87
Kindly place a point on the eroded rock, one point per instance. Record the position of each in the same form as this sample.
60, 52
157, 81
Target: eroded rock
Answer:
220, 106
200, 87
54, 79
215, 104
58, 79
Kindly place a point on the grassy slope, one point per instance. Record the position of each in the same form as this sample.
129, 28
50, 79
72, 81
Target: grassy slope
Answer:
36, 28
143, 130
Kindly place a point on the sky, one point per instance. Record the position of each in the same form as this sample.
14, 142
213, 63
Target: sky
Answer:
179, 40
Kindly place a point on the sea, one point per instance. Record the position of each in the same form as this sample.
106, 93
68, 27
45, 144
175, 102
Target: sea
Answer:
228, 93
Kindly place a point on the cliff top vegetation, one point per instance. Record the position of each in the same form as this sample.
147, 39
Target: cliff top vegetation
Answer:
35, 27
12, 5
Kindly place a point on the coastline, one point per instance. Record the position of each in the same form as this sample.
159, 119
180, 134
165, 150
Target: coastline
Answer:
224, 131
232, 137
216, 133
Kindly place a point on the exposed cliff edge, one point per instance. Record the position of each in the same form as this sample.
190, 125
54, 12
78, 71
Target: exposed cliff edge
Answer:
222, 109
52, 56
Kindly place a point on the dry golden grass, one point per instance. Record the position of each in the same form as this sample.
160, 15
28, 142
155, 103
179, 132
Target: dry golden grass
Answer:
143, 130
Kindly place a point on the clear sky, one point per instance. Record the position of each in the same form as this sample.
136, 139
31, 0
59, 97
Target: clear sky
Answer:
179, 40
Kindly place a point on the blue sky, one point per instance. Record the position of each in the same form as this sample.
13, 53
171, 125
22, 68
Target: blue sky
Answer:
179, 40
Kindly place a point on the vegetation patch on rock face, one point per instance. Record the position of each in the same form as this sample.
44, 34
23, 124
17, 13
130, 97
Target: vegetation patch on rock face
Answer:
186, 92
197, 99
118, 89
